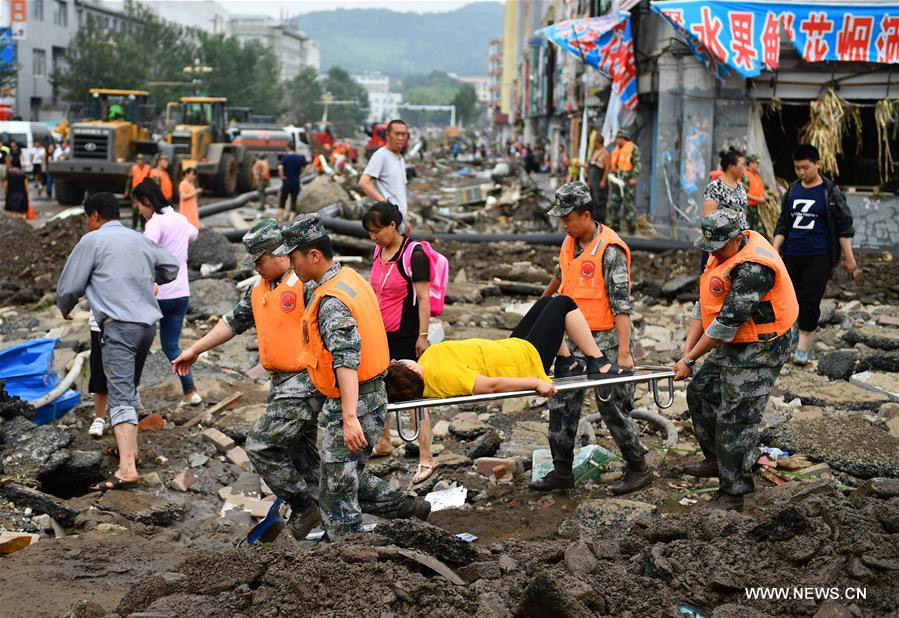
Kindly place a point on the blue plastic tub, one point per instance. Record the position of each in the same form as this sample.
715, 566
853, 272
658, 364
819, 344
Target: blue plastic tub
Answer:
29, 372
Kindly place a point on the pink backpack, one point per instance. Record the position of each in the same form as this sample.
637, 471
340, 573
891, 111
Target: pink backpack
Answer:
439, 273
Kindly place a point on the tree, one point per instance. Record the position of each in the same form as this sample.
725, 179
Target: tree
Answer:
346, 118
304, 97
466, 102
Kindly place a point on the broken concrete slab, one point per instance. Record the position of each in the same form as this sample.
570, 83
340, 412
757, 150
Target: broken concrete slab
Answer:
40, 502
485, 445
606, 517
183, 481
140, 507
846, 442
440, 429
468, 429
418, 535
238, 457
880, 337
886, 384
222, 443
815, 390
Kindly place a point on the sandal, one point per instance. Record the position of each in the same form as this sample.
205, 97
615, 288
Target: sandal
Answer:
113, 482
423, 473
596, 363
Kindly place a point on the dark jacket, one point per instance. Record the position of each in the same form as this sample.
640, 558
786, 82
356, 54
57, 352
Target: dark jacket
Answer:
839, 218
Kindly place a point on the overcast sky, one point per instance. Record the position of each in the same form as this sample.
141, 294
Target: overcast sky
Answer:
275, 8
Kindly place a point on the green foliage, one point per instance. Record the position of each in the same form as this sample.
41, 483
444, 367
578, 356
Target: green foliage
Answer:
151, 54
346, 118
304, 95
406, 43
466, 102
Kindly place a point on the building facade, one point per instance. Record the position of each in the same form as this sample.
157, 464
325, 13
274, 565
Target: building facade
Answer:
481, 87
383, 105
494, 78
685, 116
291, 46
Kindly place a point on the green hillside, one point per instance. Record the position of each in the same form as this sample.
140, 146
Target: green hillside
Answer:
406, 43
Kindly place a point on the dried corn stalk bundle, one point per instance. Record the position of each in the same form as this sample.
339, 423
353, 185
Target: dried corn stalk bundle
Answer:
883, 116
828, 121
769, 211
775, 107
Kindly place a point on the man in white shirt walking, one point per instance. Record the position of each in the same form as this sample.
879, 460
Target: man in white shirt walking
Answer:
384, 178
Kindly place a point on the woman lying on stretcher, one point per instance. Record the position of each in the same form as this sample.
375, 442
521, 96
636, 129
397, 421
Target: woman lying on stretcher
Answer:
477, 366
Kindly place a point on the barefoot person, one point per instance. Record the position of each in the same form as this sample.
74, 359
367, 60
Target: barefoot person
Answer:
117, 268
746, 310
345, 350
401, 278
594, 270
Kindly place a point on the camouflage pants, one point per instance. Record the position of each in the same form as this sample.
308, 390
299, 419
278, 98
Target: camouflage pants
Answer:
565, 413
260, 192
282, 448
345, 485
622, 209
726, 405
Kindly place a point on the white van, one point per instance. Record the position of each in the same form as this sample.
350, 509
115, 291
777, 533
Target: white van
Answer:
26, 135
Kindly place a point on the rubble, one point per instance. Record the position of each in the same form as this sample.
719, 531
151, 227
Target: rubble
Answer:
210, 248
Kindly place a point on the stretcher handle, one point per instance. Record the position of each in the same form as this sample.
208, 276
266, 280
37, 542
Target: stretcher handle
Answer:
598, 389
417, 419
655, 393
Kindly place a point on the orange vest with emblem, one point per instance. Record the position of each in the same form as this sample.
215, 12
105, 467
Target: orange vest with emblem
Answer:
278, 314
583, 279
621, 158
715, 284
138, 174
756, 186
355, 292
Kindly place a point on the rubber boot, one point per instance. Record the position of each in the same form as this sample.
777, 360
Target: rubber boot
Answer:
567, 367
554, 481
705, 469
415, 507
636, 477
302, 520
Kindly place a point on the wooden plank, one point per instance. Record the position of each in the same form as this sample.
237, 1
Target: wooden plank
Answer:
224, 403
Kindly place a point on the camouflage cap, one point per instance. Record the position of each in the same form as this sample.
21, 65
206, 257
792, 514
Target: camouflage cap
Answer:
623, 132
262, 238
300, 232
719, 227
753, 158
569, 196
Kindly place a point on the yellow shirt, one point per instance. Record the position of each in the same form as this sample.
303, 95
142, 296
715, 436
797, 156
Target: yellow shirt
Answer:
451, 367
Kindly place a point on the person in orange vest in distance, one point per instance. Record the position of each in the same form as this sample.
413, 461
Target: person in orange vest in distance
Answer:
188, 193
626, 166
282, 443
160, 174
746, 312
262, 174
594, 270
755, 192
139, 171
345, 351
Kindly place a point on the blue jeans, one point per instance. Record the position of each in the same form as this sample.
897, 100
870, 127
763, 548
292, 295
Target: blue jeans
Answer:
173, 312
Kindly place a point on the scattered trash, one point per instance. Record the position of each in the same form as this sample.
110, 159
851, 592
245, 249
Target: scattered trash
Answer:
467, 537
589, 462
687, 502
451, 498
208, 269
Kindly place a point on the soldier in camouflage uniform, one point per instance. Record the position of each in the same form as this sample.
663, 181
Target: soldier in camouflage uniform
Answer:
574, 206
626, 166
728, 394
347, 439
282, 443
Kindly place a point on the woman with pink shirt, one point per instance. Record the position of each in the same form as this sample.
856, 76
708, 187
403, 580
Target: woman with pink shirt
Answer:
174, 232
401, 278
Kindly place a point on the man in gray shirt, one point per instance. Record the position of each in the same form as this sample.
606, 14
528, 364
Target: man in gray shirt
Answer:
116, 268
384, 178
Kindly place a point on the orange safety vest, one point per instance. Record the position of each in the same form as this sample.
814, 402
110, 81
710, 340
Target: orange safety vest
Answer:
756, 186
278, 314
356, 293
621, 158
715, 284
165, 183
262, 169
138, 174
583, 279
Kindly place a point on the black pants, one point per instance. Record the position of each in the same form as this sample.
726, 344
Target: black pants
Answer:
293, 192
600, 196
402, 347
809, 274
544, 326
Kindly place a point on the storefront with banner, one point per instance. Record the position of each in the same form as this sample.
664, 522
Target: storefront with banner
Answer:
764, 77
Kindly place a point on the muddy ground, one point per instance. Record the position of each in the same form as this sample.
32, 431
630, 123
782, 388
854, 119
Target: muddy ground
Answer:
829, 519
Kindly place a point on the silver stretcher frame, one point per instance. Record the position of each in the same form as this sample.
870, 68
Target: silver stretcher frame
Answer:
642, 373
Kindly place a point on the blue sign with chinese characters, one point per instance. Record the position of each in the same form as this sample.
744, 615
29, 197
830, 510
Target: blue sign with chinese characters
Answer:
745, 36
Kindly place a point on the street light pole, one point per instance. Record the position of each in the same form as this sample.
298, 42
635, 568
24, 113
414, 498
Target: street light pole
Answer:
195, 71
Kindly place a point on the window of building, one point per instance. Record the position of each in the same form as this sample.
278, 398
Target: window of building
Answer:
61, 13
38, 11
39, 59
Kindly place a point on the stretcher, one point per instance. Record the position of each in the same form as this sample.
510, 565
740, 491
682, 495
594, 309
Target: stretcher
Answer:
649, 374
